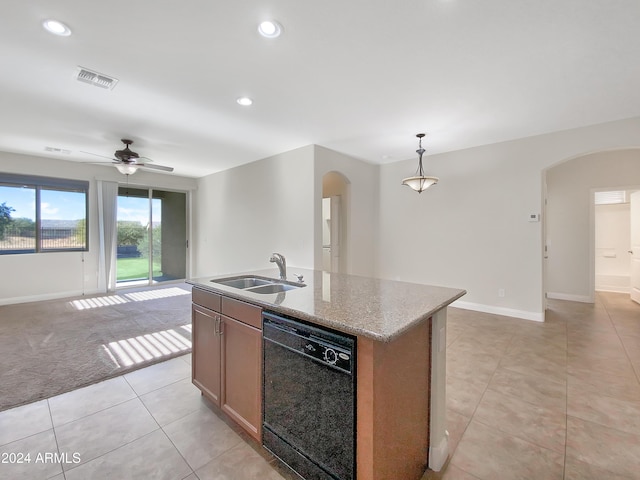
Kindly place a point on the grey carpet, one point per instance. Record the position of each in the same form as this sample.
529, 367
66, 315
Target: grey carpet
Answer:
54, 346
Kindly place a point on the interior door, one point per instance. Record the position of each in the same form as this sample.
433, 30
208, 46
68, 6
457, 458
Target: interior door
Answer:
635, 246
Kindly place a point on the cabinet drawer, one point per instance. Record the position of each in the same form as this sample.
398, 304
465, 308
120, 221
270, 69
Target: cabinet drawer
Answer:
206, 299
245, 312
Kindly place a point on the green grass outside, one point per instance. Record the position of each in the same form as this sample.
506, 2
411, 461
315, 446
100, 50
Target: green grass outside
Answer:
135, 269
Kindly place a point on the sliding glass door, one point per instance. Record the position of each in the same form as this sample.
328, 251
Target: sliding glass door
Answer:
151, 236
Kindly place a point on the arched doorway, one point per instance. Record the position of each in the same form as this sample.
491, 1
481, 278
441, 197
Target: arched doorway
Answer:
570, 252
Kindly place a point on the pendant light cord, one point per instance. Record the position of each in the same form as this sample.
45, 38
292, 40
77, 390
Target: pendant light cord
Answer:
420, 152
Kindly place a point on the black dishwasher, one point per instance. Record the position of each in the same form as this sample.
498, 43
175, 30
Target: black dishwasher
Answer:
309, 393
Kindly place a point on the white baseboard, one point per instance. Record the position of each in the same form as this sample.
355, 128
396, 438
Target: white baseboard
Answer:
571, 297
507, 312
48, 296
613, 289
438, 454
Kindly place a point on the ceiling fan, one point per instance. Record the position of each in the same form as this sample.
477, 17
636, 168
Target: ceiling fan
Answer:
128, 162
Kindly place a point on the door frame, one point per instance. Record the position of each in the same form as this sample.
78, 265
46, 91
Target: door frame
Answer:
188, 230
592, 233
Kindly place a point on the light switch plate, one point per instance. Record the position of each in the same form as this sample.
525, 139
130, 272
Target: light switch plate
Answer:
534, 217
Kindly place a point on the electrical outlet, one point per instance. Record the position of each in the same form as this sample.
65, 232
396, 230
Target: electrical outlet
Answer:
501, 292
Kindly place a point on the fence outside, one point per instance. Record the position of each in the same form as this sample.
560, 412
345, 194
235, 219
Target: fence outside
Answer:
18, 239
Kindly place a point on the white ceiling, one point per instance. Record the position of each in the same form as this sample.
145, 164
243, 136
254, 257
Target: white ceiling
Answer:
361, 76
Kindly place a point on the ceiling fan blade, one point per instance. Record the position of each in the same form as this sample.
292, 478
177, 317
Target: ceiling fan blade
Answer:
98, 155
135, 160
156, 167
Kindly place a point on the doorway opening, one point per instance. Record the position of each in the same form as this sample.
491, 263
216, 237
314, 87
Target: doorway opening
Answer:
612, 220
334, 222
569, 229
152, 239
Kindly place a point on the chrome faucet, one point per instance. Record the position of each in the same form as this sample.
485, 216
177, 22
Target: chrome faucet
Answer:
282, 264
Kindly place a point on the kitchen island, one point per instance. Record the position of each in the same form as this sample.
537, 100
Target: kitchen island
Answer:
401, 338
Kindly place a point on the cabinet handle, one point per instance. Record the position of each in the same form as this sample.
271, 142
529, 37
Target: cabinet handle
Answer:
221, 324
216, 327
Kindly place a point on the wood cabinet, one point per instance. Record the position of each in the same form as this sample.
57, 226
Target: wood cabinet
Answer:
205, 363
241, 395
227, 356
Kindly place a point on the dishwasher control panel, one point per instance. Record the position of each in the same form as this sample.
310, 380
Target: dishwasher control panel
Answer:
331, 354
319, 344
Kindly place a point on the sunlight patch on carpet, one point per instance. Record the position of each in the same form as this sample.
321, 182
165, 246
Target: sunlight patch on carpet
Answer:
109, 300
143, 348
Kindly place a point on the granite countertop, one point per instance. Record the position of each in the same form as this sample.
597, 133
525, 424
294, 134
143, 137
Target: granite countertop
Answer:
369, 307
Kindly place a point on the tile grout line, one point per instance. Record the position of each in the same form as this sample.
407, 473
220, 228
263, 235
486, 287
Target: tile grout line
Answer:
517, 398
161, 428
149, 366
55, 437
439, 475
606, 309
485, 389
90, 414
624, 347
113, 450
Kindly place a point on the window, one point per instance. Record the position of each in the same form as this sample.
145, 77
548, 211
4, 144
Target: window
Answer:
42, 214
609, 198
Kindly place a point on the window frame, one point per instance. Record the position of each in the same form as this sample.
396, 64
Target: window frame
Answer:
47, 183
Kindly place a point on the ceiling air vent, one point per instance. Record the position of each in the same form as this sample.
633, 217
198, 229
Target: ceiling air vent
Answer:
96, 79
57, 150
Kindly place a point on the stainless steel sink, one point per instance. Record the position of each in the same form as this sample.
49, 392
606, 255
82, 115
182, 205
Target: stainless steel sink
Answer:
274, 288
255, 284
243, 282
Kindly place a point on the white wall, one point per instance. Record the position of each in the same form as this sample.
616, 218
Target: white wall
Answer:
275, 205
471, 231
569, 216
39, 276
612, 245
244, 214
360, 207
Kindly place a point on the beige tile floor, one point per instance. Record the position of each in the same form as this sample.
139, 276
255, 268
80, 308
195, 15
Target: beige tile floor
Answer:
553, 400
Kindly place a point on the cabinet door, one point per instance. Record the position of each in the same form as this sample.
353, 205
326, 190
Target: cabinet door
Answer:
242, 374
206, 352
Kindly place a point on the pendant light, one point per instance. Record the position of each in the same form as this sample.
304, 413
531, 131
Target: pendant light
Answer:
420, 182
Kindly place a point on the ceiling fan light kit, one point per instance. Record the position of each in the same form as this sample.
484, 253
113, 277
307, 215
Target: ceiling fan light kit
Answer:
126, 154
127, 169
420, 182
128, 162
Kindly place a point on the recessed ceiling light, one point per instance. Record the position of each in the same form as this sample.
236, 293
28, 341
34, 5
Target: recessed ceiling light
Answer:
244, 101
270, 29
56, 27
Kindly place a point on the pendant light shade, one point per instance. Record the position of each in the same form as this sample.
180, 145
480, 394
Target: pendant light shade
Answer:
420, 182
127, 169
